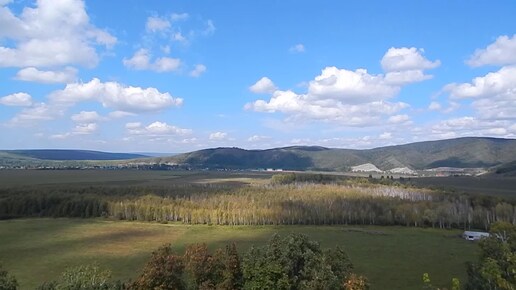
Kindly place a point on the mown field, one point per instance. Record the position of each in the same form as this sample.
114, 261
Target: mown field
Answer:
36, 250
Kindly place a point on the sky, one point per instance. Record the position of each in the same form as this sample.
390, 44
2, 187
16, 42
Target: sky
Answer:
178, 76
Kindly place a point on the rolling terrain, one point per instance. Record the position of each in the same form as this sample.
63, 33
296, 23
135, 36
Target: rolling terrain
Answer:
470, 152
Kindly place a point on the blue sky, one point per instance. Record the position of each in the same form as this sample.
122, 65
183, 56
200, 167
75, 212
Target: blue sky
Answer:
177, 76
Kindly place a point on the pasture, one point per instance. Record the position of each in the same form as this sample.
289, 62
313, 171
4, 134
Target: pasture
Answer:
37, 250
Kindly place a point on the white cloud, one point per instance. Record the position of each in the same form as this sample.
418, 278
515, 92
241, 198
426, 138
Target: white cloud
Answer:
179, 16
352, 98
156, 24
53, 33
36, 113
116, 96
88, 128
471, 126
298, 48
257, 138
385, 136
32, 74
120, 114
493, 95
303, 107
218, 136
17, 99
350, 86
86, 117
133, 125
398, 119
210, 28
79, 129
400, 78
141, 60
156, 129
262, 86
502, 82
434, 106
198, 70
501, 52
406, 59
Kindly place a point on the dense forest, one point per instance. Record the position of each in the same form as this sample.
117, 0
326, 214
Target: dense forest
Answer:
286, 199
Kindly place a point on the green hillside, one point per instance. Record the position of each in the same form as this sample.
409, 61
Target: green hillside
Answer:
471, 152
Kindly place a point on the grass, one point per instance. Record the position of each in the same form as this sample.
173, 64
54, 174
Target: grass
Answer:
15, 178
37, 250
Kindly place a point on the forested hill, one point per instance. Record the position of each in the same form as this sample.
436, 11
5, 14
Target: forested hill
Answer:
470, 152
53, 154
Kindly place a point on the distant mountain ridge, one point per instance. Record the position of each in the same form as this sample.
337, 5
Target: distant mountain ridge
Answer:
65, 154
467, 152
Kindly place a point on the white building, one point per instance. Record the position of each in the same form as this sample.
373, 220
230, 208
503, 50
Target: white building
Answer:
474, 236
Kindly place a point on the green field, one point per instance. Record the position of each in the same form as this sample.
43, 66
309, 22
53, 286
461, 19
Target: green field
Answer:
15, 178
36, 250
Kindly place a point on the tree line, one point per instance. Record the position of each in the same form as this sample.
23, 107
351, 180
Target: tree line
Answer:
356, 202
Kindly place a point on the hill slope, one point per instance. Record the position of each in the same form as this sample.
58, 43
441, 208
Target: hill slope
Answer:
467, 152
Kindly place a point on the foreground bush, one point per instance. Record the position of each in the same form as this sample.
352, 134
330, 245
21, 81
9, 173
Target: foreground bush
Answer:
292, 262
90, 277
7, 281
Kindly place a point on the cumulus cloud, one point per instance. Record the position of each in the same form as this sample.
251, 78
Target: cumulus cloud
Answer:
298, 48
493, 95
36, 113
141, 60
262, 86
218, 136
350, 86
406, 65
156, 129
502, 82
406, 59
257, 138
120, 114
398, 119
198, 70
352, 98
501, 52
62, 28
17, 99
116, 96
156, 24
79, 129
471, 126
32, 74
87, 117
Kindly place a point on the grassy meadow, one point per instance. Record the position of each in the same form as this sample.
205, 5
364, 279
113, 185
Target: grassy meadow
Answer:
36, 250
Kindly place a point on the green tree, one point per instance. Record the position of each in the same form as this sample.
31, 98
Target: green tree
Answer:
496, 269
294, 262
